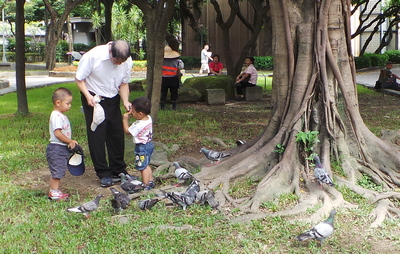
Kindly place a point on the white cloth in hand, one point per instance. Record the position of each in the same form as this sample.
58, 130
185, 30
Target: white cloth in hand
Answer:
98, 113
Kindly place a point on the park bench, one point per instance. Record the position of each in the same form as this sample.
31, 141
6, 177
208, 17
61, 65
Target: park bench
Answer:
253, 93
390, 92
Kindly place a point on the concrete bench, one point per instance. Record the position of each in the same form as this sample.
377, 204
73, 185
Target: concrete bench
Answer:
5, 66
4, 83
215, 96
253, 93
390, 92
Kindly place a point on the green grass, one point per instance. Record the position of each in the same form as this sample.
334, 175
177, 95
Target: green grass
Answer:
31, 224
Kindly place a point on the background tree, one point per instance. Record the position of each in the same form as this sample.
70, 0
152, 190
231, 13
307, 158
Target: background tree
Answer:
260, 9
54, 28
156, 16
20, 59
388, 12
128, 24
314, 92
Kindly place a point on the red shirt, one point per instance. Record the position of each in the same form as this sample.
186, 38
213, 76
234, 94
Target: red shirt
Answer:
215, 66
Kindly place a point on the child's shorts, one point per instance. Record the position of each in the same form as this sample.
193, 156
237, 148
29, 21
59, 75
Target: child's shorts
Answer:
143, 153
57, 158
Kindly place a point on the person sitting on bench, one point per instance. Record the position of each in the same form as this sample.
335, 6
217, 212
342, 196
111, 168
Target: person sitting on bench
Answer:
248, 78
388, 79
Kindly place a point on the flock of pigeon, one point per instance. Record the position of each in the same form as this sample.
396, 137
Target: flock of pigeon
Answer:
192, 194
130, 185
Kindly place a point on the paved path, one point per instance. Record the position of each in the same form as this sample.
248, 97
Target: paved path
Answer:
369, 78
34, 81
366, 78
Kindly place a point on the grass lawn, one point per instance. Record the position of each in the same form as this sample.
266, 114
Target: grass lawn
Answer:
32, 224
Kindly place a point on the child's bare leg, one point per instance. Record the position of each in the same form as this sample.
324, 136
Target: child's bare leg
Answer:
147, 175
54, 183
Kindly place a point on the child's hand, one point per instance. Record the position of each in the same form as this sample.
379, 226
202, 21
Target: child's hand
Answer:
72, 144
126, 115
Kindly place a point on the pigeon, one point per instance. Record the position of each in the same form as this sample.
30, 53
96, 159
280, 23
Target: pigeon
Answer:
129, 185
116, 205
320, 173
87, 207
201, 196
182, 173
240, 142
147, 204
210, 198
213, 155
120, 198
193, 188
207, 196
180, 199
321, 231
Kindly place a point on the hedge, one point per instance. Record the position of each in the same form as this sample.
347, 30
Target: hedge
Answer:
393, 56
377, 59
191, 62
371, 59
264, 63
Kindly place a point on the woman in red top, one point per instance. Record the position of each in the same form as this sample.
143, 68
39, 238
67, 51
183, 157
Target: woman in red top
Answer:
215, 66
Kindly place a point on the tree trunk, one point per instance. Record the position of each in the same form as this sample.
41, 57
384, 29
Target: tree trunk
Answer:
20, 59
54, 29
108, 19
313, 90
260, 9
157, 16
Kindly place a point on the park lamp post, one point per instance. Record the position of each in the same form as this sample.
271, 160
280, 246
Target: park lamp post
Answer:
4, 41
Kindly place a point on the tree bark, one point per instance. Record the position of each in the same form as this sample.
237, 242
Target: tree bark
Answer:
260, 9
157, 14
108, 19
314, 89
20, 59
54, 29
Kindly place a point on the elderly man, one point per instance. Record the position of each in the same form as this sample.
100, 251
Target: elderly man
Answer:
102, 77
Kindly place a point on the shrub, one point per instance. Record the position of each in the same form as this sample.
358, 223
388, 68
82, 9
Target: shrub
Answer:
377, 59
33, 57
191, 62
264, 63
61, 51
12, 43
393, 55
362, 62
139, 65
81, 47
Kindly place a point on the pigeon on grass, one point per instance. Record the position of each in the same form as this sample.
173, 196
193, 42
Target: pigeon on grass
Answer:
182, 173
147, 204
120, 199
240, 142
321, 231
193, 188
214, 155
201, 196
207, 196
180, 199
130, 185
320, 173
210, 198
87, 207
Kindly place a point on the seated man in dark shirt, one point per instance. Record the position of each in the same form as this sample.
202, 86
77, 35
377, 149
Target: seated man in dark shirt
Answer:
388, 79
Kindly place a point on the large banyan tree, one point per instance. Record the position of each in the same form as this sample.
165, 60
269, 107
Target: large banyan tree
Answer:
314, 91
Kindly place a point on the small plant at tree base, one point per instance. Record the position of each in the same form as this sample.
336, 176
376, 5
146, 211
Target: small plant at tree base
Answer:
366, 182
308, 138
279, 148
